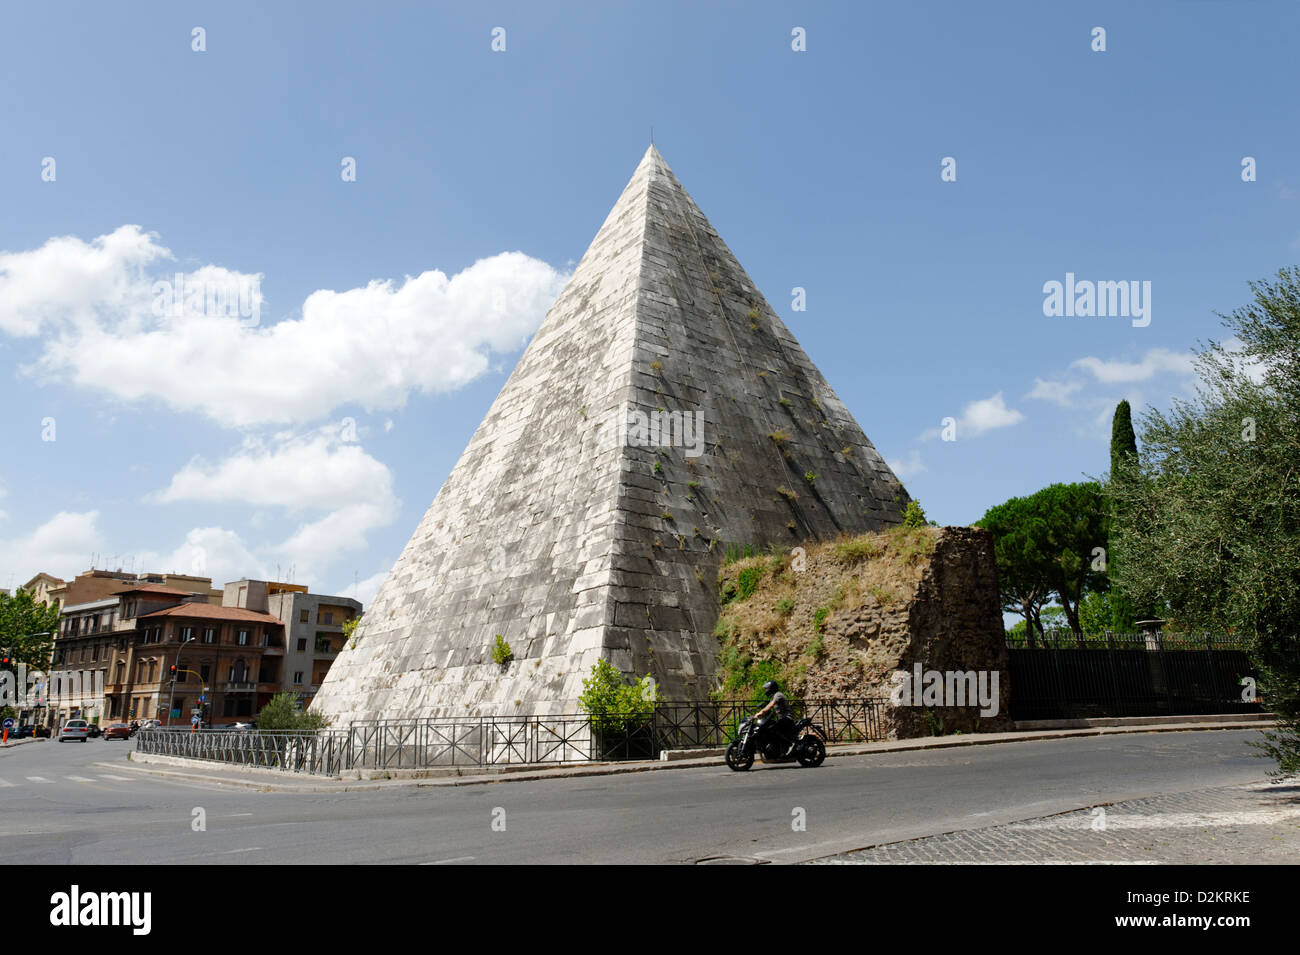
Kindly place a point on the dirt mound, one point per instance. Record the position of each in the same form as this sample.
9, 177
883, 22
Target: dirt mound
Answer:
839, 619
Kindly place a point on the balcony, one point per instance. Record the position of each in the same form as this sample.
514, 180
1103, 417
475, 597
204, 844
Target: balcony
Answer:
233, 687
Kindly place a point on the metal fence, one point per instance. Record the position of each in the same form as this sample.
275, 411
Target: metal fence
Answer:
324, 753
495, 741
1068, 676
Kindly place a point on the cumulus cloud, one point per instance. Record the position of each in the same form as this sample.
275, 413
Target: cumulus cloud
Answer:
1057, 392
366, 589
61, 546
908, 466
1156, 361
319, 473
980, 417
113, 321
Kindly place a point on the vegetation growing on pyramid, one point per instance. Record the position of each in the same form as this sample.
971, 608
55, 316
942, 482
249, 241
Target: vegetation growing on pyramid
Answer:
777, 622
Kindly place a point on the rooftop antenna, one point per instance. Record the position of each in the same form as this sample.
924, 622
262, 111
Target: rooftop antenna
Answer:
652, 135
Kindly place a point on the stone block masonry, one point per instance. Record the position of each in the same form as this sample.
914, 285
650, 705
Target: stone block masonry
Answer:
572, 536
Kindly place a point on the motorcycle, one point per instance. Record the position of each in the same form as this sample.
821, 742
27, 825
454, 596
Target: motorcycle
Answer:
760, 738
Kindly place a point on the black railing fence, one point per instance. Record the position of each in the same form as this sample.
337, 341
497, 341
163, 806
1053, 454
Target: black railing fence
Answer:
1066, 675
495, 741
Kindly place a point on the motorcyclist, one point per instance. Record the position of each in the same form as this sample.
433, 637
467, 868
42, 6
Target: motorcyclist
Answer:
784, 725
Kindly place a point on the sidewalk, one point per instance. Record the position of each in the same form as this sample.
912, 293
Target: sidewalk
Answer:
1253, 824
273, 780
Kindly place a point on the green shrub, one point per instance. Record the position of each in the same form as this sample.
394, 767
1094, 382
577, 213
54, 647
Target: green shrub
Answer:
615, 706
282, 715
501, 652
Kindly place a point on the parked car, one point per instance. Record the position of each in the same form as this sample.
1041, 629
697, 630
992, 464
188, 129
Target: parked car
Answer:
41, 732
95, 731
30, 730
74, 729
117, 731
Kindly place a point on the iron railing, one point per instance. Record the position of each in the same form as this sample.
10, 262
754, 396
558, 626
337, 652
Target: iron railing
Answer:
501, 740
323, 753
1066, 675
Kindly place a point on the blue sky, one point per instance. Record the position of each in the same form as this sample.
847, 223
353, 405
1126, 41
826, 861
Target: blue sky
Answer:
236, 448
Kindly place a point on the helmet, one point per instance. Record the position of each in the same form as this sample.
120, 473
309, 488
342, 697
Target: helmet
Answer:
770, 687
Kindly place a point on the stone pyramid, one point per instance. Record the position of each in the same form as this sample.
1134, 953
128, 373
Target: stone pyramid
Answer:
662, 413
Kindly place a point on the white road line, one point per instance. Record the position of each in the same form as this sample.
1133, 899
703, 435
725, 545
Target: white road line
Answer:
249, 849
81, 779
120, 779
449, 861
37, 779
5, 783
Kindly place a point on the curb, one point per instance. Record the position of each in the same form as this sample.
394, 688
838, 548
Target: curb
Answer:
278, 780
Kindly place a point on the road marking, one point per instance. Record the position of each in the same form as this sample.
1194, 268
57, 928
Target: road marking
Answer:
37, 779
120, 779
81, 779
450, 861
249, 849
5, 783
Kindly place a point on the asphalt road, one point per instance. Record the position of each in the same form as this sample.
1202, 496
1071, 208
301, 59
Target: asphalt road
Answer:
58, 806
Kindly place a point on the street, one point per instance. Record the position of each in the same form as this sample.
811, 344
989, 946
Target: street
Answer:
81, 803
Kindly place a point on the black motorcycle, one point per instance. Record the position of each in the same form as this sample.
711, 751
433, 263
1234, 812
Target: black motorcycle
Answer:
764, 739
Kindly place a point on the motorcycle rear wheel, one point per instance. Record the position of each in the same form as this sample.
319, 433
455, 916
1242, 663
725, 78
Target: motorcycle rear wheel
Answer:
737, 761
811, 752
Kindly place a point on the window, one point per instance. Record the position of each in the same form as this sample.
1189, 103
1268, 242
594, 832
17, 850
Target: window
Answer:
302, 644
134, 704
243, 638
239, 672
304, 616
267, 674
205, 672
187, 634
297, 677
322, 643
94, 653
326, 617
210, 635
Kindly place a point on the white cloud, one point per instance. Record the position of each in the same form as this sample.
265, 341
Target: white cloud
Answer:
62, 546
1057, 392
94, 303
908, 466
365, 590
207, 552
1154, 362
318, 473
980, 417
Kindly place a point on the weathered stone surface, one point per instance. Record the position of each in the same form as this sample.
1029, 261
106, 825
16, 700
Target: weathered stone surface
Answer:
574, 545
859, 612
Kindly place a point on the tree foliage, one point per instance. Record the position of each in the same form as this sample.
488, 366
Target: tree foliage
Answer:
1123, 459
281, 715
1047, 545
27, 629
1211, 528
614, 706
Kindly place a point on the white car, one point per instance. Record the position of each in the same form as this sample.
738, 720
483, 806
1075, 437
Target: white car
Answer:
74, 729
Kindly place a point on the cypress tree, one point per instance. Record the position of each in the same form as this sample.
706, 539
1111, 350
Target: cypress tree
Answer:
1123, 455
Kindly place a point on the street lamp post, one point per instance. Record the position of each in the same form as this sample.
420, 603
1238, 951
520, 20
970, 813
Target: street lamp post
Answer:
177, 665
